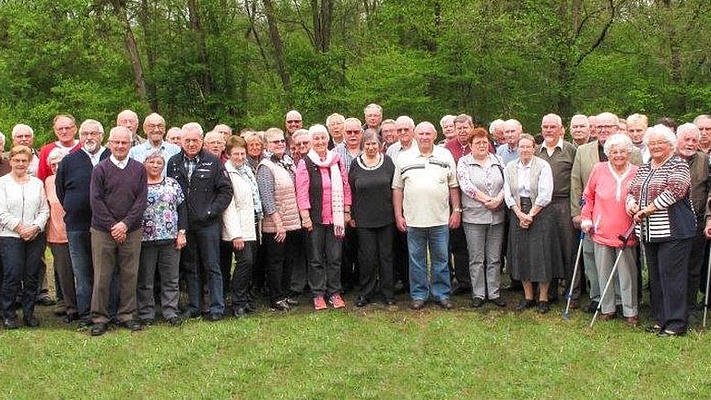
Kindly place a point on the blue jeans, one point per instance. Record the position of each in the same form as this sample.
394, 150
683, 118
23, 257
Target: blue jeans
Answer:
419, 240
21, 270
203, 249
83, 268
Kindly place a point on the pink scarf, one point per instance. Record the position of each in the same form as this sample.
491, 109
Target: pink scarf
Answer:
331, 162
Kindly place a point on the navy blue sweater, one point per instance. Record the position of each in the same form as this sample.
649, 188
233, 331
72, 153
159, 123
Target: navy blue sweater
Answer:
73, 181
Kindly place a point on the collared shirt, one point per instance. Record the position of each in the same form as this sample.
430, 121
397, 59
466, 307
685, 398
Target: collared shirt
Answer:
96, 157
561, 160
342, 150
550, 151
190, 165
119, 163
507, 154
166, 149
425, 182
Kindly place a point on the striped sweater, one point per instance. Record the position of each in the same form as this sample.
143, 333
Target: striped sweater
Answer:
667, 187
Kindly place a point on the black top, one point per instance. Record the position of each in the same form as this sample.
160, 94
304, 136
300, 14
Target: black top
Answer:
371, 188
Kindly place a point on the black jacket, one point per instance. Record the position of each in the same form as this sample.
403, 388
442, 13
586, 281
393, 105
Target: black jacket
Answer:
208, 193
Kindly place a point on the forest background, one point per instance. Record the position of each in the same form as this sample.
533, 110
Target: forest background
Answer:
246, 62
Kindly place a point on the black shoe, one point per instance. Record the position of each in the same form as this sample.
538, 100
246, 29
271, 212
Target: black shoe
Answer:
214, 317
146, 321
362, 301
417, 304
653, 328
190, 314
85, 323
174, 321
239, 312
543, 307
98, 329
132, 325
669, 333
46, 301
249, 308
71, 317
477, 302
281, 305
10, 323
31, 321
525, 304
292, 299
499, 302
592, 307
445, 304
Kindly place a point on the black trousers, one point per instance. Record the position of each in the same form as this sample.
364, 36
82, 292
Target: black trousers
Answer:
668, 278
375, 256
458, 250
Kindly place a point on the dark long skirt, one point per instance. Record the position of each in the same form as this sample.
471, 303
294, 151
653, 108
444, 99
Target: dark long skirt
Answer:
534, 254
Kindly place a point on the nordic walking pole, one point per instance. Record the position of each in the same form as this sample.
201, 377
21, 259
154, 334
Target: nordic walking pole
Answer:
706, 297
566, 316
624, 238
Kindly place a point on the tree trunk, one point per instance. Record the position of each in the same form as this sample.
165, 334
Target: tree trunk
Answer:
196, 27
134, 58
278, 46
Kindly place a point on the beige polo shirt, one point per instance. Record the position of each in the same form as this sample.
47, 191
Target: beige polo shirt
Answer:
425, 182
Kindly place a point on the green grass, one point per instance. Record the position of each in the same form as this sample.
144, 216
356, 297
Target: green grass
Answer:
378, 352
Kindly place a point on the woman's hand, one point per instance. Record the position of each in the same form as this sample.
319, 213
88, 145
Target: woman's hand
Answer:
238, 243
307, 224
632, 209
181, 240
280, 235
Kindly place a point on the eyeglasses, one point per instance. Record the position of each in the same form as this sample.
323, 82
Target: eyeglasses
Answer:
293, 121
90, 133
278, 141
353, 132
607, 126
302, 143
153, 126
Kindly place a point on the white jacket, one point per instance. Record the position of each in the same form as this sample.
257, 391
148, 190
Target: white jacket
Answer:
238, 218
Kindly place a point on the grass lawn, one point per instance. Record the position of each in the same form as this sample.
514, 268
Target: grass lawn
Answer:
377, 352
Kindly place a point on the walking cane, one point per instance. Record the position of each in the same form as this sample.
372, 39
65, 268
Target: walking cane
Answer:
566, 316
706, 297
624, 238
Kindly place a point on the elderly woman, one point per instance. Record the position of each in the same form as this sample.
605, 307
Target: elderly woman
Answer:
239, 223
659, 202
57, 239
533, 241
276, 182
23, 215
370, 179
481, 179
165, 221
255, 147
301, 144
324, 199
604, 219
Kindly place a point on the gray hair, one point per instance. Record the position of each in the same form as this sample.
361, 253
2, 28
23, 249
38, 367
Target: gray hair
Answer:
84, 125
660, 130
445, 119
20, 128
192, 126
495, 124
371, 134
556, 117
352, 120
700, 117
300, 132
56, 155
318, 128
373, 106
406, 120
335, 117
620, 140
688, 129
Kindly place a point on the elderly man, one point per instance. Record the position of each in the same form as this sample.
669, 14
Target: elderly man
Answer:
637, 125
579, 130
687, 148
214, 142
388, 131
560, 155
224, 129
336, 129
174, 136
404, 127
512, 133
118, 197
154, 129
586, 157
427, 204
23, 135
373, 114
496, 130
65, 129
592, 123
459, 147
292, 122
72, 185
703, 122
208, 192
129, 120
